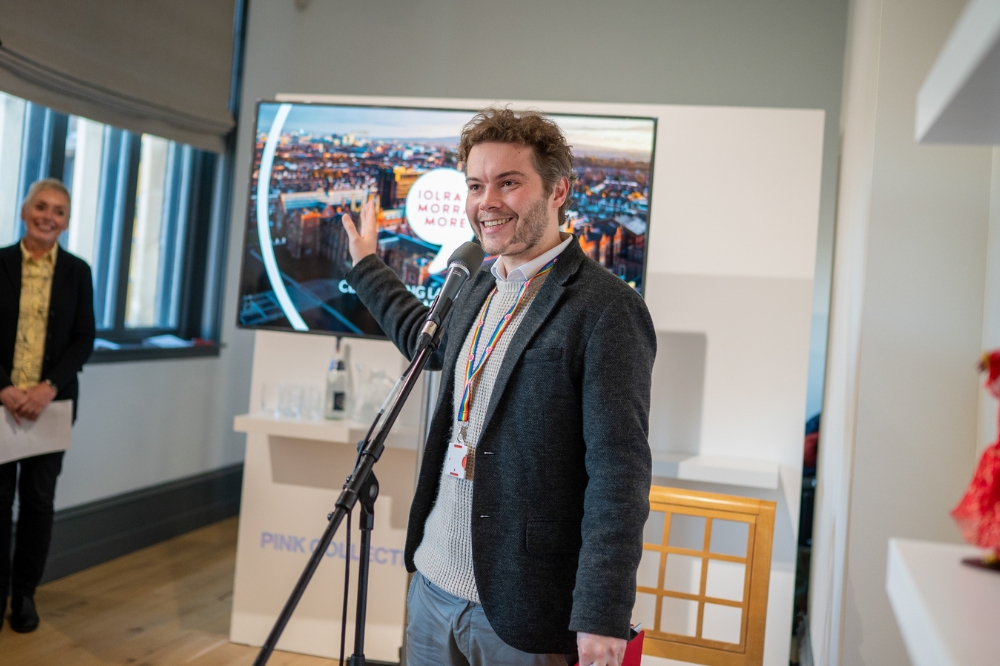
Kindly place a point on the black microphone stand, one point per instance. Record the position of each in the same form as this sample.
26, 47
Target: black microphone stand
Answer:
361, 486
369, 493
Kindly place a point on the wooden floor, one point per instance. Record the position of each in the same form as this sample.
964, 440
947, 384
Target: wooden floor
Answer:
168, 604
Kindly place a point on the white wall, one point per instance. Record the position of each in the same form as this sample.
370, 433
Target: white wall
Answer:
145, 423
900, 421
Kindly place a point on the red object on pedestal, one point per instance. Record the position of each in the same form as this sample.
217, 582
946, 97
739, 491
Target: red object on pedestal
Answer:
978, 514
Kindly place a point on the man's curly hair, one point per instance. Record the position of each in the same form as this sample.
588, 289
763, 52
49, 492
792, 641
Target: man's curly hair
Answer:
551, 155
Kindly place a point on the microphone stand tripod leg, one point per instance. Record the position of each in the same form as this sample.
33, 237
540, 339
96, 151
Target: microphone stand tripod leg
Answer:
366, 498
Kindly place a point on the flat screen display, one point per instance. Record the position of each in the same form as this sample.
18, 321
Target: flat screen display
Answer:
314, 162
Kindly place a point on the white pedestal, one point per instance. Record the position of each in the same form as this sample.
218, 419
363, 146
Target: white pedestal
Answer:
292, 476
946, 610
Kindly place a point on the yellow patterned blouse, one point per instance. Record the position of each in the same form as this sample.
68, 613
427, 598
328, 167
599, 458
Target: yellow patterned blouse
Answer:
33, 317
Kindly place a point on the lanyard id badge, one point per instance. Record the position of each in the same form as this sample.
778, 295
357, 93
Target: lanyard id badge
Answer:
460, 462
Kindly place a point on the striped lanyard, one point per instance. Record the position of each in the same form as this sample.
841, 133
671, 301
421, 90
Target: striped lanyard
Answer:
472, 369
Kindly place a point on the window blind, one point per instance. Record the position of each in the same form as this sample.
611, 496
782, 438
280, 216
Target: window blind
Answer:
161, 67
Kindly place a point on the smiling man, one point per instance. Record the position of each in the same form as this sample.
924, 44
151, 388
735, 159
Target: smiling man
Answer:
525, 529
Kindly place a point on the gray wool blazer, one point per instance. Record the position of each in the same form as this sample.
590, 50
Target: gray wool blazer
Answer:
561, 491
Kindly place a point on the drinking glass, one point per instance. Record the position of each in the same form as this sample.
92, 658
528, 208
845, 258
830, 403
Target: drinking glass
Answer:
296, 397
373, 393
269, 400
290, 400
313, 406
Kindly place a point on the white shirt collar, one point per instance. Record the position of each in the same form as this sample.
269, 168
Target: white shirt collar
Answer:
527, 270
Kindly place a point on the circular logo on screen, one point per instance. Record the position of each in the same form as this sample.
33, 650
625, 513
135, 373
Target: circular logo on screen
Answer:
435, 210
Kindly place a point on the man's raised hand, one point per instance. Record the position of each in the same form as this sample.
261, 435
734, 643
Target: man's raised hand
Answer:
363, 242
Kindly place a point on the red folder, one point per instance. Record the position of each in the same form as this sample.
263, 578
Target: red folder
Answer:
633, 651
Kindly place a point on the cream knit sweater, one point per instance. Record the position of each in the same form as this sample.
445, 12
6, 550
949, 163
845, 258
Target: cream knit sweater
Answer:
445, 555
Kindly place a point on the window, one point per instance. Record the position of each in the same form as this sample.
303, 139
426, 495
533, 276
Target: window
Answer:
11, 129
144, 216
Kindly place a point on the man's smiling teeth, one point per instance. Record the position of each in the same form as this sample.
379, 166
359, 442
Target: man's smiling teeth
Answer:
495, 223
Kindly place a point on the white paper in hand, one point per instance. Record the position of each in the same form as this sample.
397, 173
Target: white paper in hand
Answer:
52, 431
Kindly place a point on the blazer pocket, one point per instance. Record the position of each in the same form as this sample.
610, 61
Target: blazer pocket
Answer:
540, 354
553, 537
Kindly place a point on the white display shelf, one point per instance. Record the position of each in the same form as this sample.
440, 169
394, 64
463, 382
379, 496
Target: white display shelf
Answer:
716, 469
946, 610
959, 101
349, 432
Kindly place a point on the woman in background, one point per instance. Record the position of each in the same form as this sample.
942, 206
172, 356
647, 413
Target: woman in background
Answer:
46, 335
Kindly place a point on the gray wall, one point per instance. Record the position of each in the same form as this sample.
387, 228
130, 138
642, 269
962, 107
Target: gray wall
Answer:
149, 422
732, 53
695, 52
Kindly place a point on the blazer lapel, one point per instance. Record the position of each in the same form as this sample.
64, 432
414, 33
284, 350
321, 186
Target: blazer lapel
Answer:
10, 258
538, 313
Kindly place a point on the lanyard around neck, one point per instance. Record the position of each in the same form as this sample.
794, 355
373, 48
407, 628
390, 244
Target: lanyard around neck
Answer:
472, 369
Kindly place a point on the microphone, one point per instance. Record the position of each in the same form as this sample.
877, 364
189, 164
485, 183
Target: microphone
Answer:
463, 263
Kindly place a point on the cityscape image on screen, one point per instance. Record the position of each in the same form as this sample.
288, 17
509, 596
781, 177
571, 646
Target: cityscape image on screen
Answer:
314, 162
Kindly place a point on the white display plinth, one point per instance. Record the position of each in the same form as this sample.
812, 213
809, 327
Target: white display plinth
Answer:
324, 431
946, 610
292, 475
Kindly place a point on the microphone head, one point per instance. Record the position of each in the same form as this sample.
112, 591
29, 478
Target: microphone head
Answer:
469, 255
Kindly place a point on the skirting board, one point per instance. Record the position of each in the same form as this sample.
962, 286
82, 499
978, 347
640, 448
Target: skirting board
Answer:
90, 534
